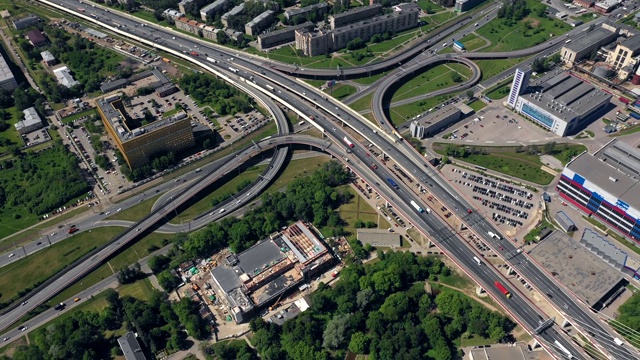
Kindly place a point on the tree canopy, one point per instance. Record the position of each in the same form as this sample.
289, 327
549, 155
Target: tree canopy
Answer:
381, 309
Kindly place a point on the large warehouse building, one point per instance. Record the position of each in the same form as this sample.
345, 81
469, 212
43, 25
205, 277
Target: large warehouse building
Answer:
266, 271
606, 185
558, 101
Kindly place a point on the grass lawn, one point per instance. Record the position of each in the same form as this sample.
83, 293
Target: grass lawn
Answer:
141, 289
341, 91
133, 253
531, 31
368, 80
402, 113
11, 135
136, 212
76, 116
493, 67
499, 92
363, 103
473, 42
296, 169
438, 19
26, 273
437, 77
429, 6
358, 208
204, 203
506, 160
477, 105
475, 340
315, 83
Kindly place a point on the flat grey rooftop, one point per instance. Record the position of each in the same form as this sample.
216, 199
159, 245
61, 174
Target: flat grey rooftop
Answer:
632, 43
226, 277
565, 96
602, 248
5, 72
588, 39
616, 178
578, 269
259, 255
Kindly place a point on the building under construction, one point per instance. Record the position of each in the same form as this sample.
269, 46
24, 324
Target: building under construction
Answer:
262, 274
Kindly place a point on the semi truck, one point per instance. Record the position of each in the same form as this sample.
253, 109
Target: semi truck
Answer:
563, 349
348, 142
503, 290
416, 206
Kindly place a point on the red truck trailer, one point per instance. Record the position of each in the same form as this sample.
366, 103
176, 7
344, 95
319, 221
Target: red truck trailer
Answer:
503, 289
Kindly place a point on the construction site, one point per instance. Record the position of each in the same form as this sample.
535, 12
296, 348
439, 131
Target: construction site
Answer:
260, 276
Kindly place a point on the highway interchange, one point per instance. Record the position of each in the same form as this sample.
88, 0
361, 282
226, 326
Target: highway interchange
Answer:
304, 99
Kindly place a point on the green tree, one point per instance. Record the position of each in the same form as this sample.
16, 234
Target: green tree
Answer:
456, 77
359, 343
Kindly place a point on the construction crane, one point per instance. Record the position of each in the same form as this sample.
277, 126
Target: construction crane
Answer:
275, 305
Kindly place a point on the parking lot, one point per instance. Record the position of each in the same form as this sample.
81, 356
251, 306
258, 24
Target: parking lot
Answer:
496, 124
36, 137
510, 206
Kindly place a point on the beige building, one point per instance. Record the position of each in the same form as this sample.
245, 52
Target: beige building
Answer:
625, 57
321, 42
581, 48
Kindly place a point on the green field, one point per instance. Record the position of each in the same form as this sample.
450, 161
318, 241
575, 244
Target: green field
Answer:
26, 273
477, 105
491, 68
506, 160
341, 91
362, 104
141, 289
358, 208
436, 78
499, 91
296, 169
473, 42
403, 113
531, 31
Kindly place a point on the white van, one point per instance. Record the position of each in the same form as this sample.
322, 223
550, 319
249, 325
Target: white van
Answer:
222, 210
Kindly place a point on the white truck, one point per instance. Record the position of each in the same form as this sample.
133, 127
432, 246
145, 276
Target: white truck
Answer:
475, 258
618, 341
495, 236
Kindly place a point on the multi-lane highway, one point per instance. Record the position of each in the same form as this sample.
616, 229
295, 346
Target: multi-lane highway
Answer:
302, 98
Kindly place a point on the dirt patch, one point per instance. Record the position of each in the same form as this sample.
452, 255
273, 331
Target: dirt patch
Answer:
534, 22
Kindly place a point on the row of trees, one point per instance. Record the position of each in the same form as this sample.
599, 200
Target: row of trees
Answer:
381, 309
158, 163
158, 323
223, 98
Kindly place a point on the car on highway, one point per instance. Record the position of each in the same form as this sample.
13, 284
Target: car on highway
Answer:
5, 339
76, 299
12, 255
23, 328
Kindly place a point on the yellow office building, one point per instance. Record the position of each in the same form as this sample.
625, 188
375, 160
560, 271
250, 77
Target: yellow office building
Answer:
139, 142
